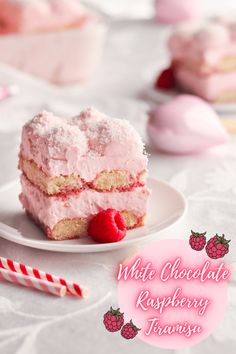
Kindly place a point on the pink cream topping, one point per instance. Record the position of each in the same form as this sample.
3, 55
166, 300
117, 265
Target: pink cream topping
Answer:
208, 43
85, 145
212, 36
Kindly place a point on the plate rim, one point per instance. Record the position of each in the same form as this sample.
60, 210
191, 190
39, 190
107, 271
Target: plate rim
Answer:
87, 248
161, 96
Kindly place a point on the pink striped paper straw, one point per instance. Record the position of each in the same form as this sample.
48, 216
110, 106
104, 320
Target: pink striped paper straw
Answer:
32, 282
71, 287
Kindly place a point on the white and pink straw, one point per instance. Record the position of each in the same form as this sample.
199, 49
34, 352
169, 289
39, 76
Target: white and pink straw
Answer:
32, 277
32, 282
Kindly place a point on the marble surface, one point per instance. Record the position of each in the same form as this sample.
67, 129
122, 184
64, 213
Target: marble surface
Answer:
32, 322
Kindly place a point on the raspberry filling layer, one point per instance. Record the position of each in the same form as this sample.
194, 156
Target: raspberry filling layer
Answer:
51, 210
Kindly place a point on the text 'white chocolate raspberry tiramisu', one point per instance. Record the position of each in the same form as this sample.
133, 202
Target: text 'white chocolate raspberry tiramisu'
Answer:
72, 169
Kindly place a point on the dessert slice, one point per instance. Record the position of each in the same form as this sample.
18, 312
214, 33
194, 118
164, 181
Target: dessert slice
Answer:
56, 40
204, 60
72, 169
44, 15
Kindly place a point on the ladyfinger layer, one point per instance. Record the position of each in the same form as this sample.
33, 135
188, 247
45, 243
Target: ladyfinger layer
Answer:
115, 180
68, 229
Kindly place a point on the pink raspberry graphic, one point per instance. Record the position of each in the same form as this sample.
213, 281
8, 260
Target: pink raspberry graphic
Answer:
113, 320
197, 241
129, 331
217, 247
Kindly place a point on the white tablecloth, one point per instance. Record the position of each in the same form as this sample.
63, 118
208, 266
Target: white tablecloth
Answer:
33, 322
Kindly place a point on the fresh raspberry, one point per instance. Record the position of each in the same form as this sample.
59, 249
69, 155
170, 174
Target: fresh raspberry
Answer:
107, 226
165, 80
129, 330
113, 320
217, 247
197, 241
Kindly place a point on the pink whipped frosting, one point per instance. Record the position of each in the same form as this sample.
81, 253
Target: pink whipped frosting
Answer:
84, 145
39, 15
50, 210
207, 43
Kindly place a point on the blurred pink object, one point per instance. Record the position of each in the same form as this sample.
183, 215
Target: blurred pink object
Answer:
204, 60
175, 11
184, 125
8, 91
57, 40
39, 15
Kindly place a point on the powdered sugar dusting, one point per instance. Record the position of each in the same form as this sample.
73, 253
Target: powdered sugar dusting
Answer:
44, 123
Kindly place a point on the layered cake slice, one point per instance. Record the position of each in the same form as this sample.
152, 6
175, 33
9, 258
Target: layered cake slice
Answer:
57, 40
74, 168
22, 16
204, 60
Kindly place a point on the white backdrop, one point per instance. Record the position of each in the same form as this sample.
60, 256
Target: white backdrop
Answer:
144, 8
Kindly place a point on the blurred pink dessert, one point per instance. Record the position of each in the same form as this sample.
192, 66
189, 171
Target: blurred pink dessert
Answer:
57, 40
72, 169
40, 15
184, 125
204, 60
175, 11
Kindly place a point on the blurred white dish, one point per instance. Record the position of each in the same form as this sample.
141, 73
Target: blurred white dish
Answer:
61, 57
161, 96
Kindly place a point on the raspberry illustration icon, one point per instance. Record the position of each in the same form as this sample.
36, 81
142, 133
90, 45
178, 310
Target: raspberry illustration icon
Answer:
197, 240
129, 330
217, 247
113, 320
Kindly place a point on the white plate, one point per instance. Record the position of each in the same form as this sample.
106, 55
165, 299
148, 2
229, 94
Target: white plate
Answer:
166, 206
161, 96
